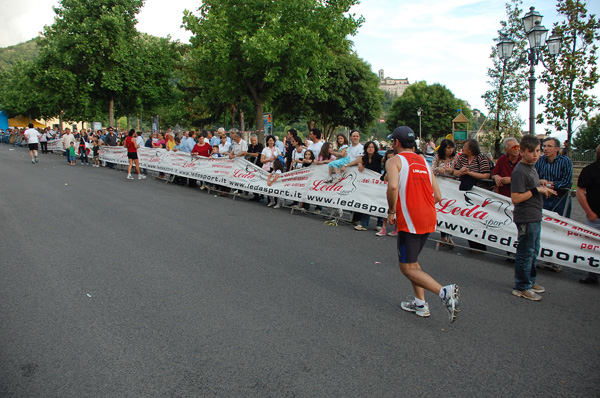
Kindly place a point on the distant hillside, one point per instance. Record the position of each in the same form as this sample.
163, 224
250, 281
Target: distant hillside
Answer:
23, 51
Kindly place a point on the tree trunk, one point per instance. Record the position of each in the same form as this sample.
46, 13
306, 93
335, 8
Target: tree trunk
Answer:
242, 124
128, 124
111, 112
258, 115
256, 94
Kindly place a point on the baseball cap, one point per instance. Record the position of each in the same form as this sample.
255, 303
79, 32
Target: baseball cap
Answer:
405, 135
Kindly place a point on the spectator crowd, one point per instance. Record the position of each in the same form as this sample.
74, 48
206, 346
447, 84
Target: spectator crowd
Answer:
276, 156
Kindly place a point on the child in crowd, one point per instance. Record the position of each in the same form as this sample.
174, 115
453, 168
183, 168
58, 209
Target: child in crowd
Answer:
389, 154
309, 158
326, 155
72, 154
96, 153
527, 195
274, 176
338, 165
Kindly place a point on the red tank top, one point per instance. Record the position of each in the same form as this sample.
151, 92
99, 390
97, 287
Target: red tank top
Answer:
130, 144
415, 210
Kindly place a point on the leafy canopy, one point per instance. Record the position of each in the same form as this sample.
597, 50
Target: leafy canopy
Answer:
439, 107
262, 48
575, 71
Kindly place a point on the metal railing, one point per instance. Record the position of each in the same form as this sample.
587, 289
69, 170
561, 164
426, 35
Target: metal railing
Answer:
588, 155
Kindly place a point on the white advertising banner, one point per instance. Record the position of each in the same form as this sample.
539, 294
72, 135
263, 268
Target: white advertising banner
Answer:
357, 191
55, 145
478, 214
486, 217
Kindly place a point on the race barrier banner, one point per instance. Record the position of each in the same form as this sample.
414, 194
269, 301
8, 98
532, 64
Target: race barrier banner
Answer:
363, 192
55, 145
486, 217
478, 214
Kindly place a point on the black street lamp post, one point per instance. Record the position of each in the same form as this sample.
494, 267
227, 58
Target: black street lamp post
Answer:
536, 35
420, 114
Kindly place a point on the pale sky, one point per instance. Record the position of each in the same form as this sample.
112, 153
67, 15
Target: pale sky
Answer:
439, 41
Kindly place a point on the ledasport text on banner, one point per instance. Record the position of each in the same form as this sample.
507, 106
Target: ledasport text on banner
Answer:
477, 214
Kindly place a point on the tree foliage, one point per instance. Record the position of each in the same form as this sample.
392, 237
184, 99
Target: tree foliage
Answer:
439, 107
575, 71
93, 40
349, 97
19, 95
508, 79
589, 136
262, 48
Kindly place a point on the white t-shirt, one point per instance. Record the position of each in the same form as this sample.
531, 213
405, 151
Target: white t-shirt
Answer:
354, 151
67, 139
315, 147
32, 135
297, 156
224, 148
268, 155
240, 147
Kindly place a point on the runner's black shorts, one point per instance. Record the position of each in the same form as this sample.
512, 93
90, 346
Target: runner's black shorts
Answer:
410, 246
132, 155
33, 147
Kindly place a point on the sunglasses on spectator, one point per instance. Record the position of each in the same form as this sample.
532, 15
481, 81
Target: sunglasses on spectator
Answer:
515, 147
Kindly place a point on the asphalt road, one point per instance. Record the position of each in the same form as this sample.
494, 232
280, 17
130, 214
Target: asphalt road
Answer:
117, 288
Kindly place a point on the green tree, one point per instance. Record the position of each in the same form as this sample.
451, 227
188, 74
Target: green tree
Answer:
439, 106
95, 41
508, 78
350, 96
19, 95
263, 48
575, 71
152, 69
589, 136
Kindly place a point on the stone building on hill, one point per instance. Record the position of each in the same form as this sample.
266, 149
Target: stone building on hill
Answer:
395, 87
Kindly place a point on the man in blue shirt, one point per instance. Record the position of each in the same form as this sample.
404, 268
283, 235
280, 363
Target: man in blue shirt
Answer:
190, 142
556, 172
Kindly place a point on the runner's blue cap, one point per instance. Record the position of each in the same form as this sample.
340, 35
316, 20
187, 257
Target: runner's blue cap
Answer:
405, 135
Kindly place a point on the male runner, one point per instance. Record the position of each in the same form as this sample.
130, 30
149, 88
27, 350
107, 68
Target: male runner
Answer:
33, 139
412, 193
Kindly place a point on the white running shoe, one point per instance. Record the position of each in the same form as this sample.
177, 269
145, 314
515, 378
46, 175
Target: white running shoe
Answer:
410, 306
277, 206
450, 300
141, 177
129, 177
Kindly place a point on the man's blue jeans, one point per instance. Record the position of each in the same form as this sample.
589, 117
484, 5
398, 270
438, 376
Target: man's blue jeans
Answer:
528, 248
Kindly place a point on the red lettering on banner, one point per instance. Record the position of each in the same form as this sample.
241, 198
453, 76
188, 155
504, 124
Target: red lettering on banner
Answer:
320, 186
241, 174
446, 206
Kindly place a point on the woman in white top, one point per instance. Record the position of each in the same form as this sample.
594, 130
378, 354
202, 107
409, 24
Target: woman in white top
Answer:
297, 153
269, 154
